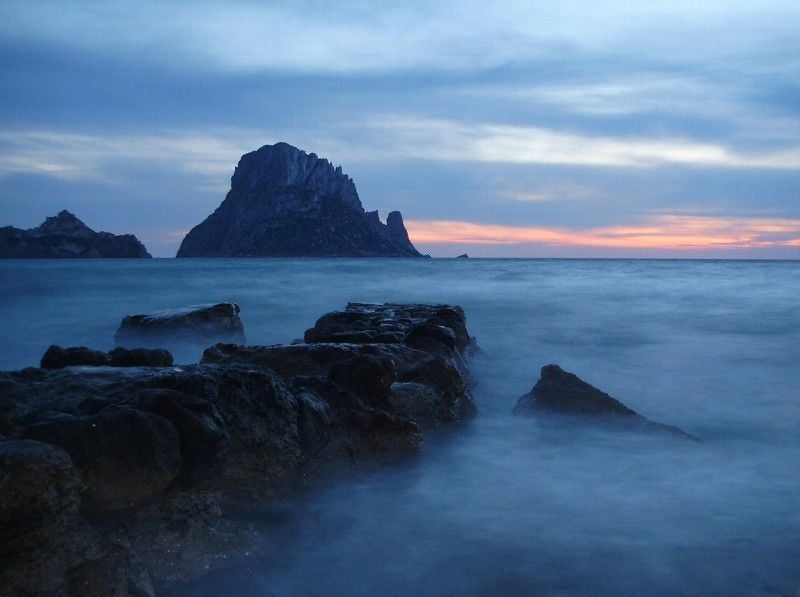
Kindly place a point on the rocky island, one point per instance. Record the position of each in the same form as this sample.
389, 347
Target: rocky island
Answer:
65, 236
285, 202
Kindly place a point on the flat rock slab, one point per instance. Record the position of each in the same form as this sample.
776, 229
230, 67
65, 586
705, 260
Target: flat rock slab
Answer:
563, 393
218, 322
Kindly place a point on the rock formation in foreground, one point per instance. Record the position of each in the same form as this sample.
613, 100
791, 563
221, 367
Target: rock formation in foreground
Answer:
65, 236
285, 202
563, 393
218, 322
118, 480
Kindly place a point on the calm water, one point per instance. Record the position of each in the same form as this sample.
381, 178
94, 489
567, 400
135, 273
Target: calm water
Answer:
512, 506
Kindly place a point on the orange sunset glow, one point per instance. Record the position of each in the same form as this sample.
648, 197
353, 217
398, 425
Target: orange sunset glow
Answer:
673, 232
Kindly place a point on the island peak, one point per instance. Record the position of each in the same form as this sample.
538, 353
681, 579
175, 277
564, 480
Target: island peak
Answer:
285, 202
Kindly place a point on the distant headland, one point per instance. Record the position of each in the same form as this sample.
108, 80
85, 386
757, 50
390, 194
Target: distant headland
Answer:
64, 236
285, 202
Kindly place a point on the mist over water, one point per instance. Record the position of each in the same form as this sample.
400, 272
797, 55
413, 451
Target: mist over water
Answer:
513, 505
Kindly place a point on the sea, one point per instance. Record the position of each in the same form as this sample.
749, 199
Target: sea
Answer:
507, 505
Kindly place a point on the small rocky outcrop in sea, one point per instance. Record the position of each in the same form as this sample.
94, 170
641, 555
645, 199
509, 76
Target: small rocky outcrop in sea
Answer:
285, 202
65, 236
218, 322
563, 393
119, 479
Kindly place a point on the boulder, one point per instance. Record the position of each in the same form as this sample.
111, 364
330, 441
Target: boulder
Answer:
563, 393
218, 322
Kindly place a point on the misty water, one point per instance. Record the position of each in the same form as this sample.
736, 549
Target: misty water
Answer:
511, 505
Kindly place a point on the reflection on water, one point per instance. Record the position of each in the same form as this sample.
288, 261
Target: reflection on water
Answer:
508, 505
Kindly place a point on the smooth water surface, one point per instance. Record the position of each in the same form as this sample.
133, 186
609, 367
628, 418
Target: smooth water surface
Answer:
508, 505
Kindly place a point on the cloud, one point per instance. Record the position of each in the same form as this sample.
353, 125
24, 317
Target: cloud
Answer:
368, 37
673, 232
560, 191
486, 142
210, 156
79, 156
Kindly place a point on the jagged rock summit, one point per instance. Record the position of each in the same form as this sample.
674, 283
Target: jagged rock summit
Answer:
65, 236
285, 202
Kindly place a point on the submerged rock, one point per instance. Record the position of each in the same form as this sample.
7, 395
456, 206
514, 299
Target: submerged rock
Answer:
564, 393
65, 236
215, 322
285, 202
147, 471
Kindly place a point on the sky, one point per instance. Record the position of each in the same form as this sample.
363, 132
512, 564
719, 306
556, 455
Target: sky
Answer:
503, 129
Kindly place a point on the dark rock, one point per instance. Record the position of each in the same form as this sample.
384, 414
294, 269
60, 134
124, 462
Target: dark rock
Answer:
200, 427
65, 236
564, 393
56, 357
43, 533
450, 384
123, 455
363, 323
435, 363
217, 322
113, 573
40, 493
285, 202
140, 357
167, 461
397, 230
369, 377
463, 256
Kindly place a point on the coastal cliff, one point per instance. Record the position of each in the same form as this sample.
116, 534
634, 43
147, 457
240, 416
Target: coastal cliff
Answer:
285, 202
64, 236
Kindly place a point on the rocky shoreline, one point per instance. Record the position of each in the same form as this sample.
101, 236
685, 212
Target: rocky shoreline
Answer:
125, 478
123, 473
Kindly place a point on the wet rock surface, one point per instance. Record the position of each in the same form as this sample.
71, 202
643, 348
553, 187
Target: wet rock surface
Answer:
563, 393
218, 322
131, 477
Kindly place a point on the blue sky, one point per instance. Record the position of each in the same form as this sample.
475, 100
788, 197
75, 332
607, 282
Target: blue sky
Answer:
510, 129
